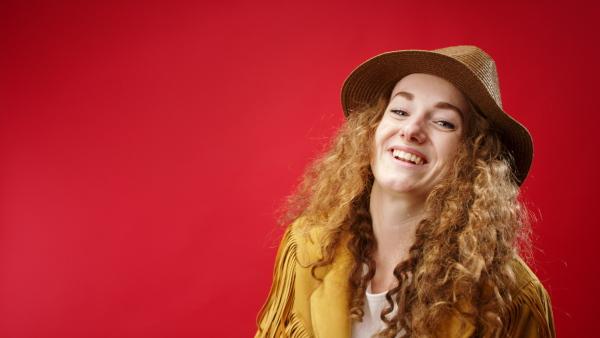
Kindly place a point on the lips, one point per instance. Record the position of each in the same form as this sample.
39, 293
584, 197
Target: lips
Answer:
407, 157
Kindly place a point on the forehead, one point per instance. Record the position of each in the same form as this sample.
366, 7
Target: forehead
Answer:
429, 86
433, 91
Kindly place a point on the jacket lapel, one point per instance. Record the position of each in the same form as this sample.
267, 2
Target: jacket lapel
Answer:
329, 302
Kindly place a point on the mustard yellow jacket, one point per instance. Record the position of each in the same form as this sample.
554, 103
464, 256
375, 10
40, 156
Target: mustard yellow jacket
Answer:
300, 306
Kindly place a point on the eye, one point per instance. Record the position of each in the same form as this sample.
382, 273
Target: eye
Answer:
446, 124
399, 112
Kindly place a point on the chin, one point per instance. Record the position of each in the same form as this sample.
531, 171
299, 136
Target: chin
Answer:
397, 187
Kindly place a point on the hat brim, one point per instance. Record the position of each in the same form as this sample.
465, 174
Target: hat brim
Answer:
378, 76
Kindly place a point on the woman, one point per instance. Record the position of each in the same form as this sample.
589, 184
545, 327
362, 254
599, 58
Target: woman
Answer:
411, 223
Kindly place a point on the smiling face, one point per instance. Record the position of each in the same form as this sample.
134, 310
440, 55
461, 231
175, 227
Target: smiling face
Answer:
418, 135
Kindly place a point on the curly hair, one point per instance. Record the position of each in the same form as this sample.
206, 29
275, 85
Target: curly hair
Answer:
472, 227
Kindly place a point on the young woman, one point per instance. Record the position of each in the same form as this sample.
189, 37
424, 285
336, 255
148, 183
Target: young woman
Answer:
411, 224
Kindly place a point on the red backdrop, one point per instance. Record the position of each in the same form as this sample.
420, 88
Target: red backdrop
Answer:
144, 148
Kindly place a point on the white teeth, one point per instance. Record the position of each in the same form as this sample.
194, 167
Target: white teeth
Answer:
399, 154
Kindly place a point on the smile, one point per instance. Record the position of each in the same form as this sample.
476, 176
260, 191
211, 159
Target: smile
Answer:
407, 157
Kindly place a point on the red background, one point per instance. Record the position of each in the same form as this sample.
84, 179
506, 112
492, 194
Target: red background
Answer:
145, 146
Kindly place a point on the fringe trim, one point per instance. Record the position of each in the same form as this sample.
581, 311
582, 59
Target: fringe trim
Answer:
296, 327
277, 318
530, 313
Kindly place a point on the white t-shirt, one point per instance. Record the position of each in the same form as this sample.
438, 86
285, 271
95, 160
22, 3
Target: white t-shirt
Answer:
372, 323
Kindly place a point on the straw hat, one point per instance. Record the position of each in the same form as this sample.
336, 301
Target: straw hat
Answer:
467, 67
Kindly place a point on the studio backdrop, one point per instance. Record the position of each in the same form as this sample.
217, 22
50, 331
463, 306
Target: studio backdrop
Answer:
146, 146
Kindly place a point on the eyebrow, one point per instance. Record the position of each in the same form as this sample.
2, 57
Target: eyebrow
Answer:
405, 95
439, 105
446, 105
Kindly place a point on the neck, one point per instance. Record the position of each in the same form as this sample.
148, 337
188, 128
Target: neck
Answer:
395, 219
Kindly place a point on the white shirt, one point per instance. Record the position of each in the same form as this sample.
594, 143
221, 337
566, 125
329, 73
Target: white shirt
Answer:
372, 323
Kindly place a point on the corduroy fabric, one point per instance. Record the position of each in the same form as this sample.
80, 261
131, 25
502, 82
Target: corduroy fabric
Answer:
469, 68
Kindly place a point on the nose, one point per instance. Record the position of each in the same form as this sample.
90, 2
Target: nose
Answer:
413, 131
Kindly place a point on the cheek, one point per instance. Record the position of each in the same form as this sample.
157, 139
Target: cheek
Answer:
378, 145
378, 139
383, 132
451, 148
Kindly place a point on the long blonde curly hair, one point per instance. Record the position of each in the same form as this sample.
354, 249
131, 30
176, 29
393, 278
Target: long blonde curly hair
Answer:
460, 261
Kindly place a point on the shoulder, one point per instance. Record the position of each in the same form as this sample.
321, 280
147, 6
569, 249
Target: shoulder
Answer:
530, 312
523, 275
287, 311
307, 241
298, 304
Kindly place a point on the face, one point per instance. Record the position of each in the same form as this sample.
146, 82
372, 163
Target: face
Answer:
418, 135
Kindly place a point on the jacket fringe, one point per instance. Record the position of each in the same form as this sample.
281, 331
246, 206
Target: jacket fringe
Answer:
277, 318
530, 312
